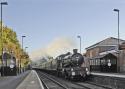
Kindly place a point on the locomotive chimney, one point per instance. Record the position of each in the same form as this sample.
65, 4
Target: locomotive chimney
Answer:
75, 51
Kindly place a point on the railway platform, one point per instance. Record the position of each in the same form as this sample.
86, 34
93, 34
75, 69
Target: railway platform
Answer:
113, 80
11, 82
32, 81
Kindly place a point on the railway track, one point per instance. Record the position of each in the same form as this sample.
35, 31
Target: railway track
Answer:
98, 85
91, 86
50, 83
60, 83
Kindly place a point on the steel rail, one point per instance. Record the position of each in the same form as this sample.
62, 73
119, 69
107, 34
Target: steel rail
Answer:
42, 74
44, 84
98, 85
81, 85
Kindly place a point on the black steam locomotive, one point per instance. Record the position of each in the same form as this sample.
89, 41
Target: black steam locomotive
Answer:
70, 66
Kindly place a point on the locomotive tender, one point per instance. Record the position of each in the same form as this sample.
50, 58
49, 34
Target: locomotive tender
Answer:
68, 65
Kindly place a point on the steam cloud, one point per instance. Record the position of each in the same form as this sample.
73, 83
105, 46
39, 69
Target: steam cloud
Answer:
55, 48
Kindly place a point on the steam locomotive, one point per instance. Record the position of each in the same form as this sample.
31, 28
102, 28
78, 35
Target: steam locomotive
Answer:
69, 66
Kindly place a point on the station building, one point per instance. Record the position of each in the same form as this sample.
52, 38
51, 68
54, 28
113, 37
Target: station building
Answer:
8, 64
106, 56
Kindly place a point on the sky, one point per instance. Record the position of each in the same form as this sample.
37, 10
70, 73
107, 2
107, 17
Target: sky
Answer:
44, 21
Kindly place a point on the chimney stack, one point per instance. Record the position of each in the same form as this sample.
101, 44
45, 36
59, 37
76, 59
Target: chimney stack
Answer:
75, 51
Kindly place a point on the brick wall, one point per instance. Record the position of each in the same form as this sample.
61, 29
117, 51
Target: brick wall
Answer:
92, 52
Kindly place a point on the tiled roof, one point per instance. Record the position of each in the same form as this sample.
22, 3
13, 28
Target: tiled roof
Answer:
111, 41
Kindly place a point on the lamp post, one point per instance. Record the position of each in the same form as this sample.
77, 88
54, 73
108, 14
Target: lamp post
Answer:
26, 53
80, 42
117, 10
22, 41
2, 3
22, 53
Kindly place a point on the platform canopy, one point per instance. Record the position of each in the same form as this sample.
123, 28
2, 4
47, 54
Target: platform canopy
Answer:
105, 56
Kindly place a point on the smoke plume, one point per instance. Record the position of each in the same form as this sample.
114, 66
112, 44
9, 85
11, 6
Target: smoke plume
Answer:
55, 48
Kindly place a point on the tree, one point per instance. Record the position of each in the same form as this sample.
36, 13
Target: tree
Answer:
11, 43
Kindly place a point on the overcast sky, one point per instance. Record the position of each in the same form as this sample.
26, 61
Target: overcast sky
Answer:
43, 21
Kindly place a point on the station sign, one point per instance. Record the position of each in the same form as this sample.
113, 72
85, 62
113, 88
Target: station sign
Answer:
109, 64
11, 66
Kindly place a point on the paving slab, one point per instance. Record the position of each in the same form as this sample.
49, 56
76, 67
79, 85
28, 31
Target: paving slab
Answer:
11, 82
32, 81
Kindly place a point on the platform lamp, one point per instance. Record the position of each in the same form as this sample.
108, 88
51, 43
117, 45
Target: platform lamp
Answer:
22, 53
117, 10
80, 42
2, 3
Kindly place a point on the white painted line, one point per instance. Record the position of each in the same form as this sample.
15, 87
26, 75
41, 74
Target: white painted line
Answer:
41, 85
110, 75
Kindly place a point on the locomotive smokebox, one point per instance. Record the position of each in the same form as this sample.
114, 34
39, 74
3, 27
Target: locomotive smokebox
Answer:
75, 51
